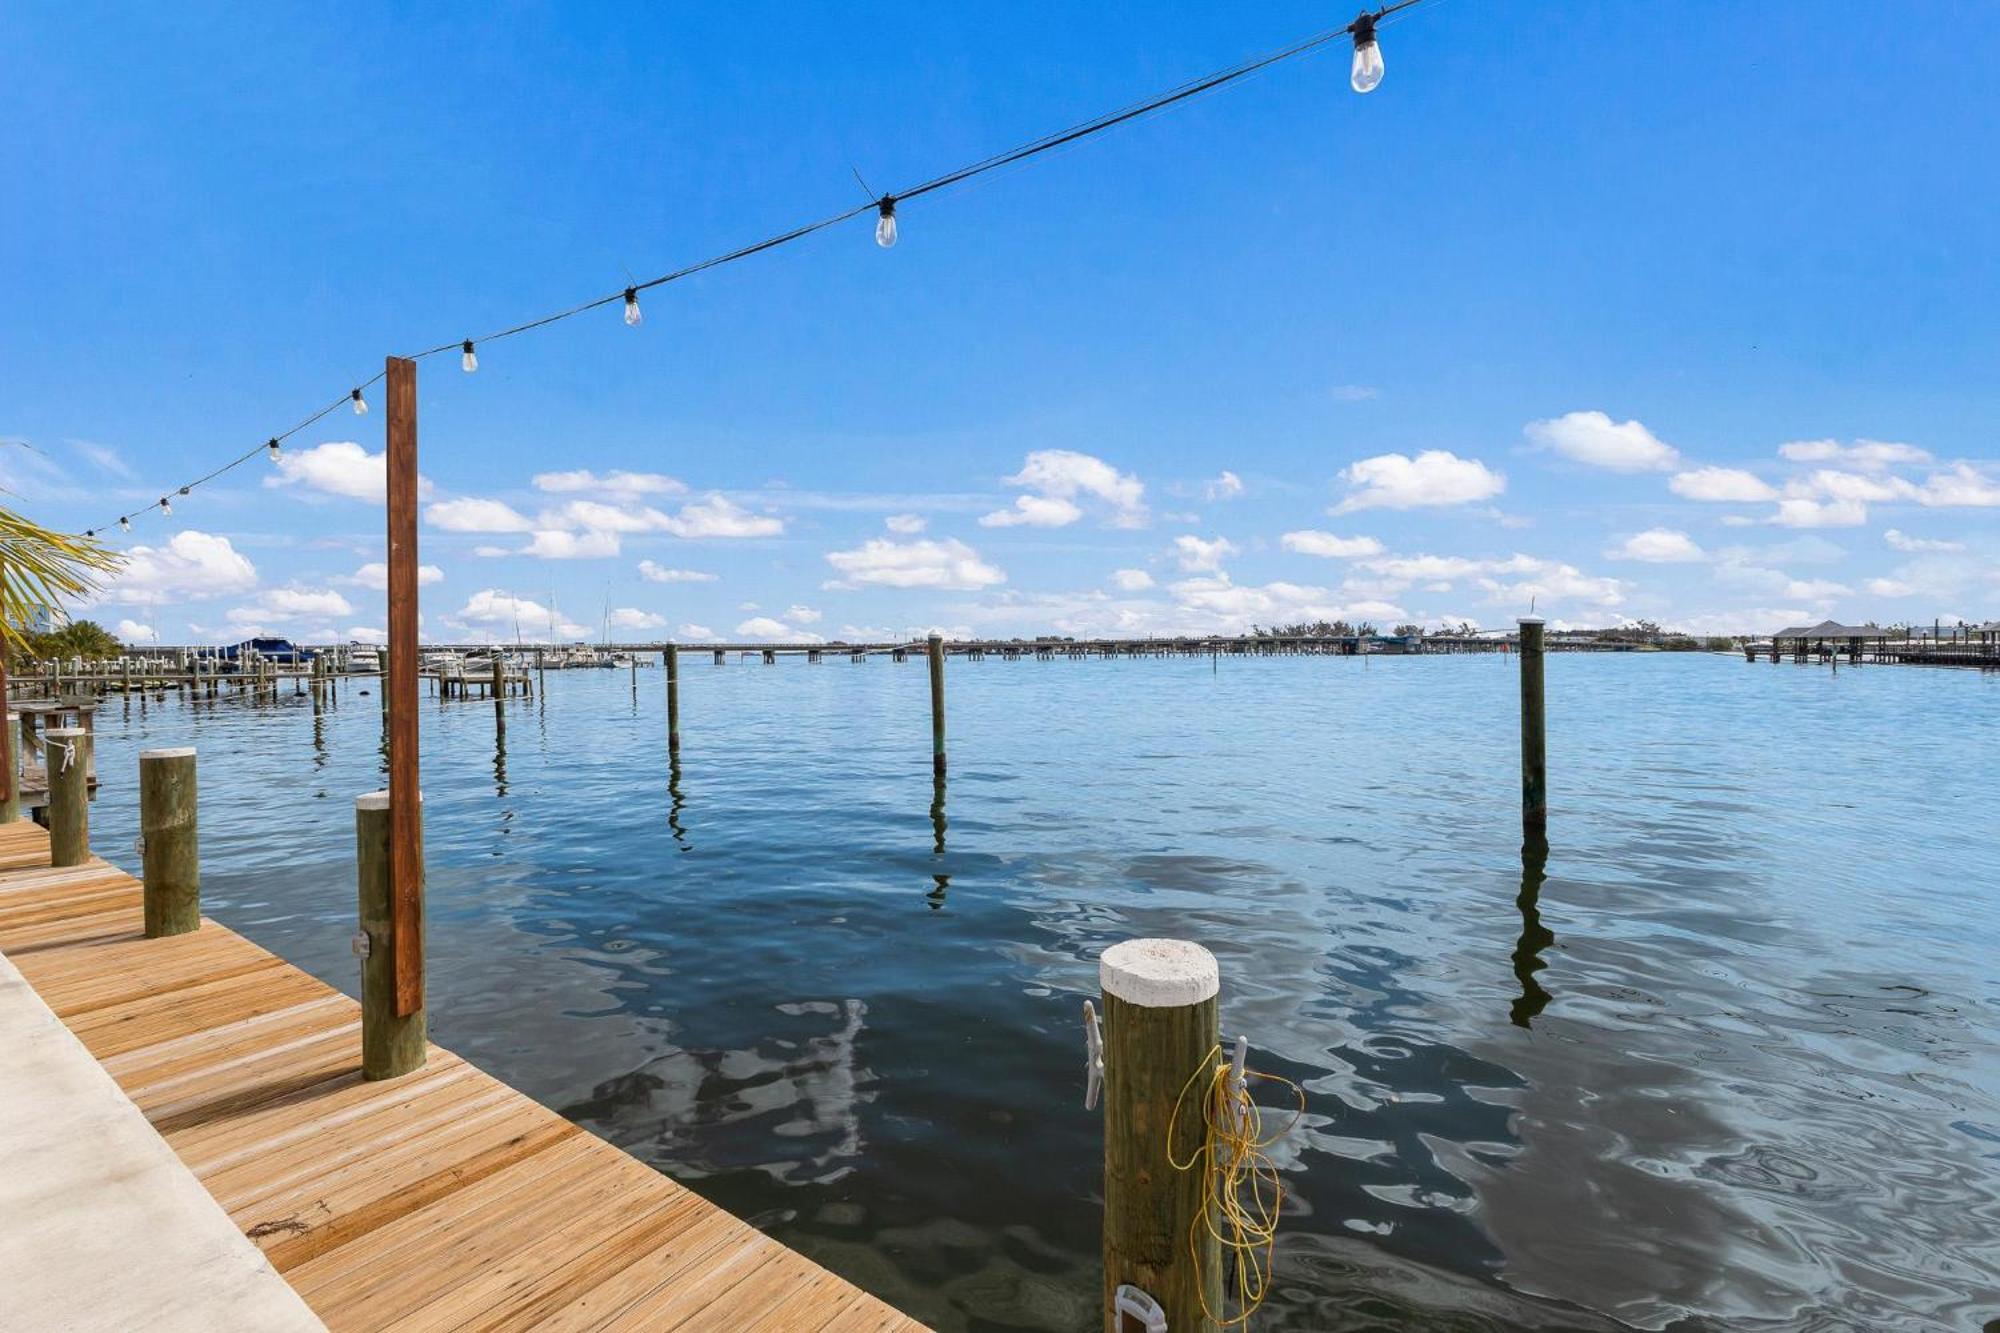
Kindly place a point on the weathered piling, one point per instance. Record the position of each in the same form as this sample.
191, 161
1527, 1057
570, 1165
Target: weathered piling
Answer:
66, 751
10, 769
499, 675
391, 1044
168, 842
1160, 1034
670, 663
1534, 750
720, 657
935, 648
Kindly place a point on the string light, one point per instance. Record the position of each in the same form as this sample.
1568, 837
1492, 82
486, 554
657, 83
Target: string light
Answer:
1365, 74
166, 507
1366, 71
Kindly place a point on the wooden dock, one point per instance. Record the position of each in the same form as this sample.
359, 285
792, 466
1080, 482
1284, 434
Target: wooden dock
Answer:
440, 1200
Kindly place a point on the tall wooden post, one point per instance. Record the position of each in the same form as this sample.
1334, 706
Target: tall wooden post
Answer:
1534, 750
935, 645
406, 861
66, 752
170, 853
670, 662
392, 1041
1160, 1030
10, 771
499, 675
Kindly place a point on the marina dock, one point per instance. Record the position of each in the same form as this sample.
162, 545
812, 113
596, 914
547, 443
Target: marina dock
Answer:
442, 1199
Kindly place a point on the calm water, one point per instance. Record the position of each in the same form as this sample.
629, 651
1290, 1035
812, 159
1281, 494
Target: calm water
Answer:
1734, 1063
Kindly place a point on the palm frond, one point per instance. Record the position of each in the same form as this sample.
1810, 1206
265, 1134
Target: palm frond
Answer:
42, 567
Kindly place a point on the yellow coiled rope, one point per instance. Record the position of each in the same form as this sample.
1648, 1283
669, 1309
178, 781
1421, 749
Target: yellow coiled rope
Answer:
1243, 1191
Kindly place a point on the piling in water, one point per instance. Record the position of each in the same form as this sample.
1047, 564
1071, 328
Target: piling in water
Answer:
1160, 1031
391, 1044
670, 662
172, 860
935, 647
1534, 750
67, 754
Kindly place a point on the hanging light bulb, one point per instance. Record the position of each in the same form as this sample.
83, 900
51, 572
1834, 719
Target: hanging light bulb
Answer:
1366, 71
360, 403
271, 448
124, 523
885, 224
468, 360
166, 506
632, 315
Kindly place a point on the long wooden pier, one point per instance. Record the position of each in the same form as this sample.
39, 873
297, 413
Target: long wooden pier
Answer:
440, 1200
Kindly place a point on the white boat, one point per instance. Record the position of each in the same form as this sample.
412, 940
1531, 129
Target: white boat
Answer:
363, 657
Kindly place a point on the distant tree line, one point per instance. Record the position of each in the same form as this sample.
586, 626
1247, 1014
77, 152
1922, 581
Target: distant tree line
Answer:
79, 638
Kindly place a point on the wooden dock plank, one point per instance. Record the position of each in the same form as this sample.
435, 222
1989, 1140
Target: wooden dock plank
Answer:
441, 1200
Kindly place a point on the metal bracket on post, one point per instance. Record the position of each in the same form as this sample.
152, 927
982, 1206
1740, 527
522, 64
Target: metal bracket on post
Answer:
1129, 1300
1093, 1059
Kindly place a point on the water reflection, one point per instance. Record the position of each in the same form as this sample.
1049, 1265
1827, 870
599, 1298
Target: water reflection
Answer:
676, 803
499, 747
1535, 937
940, 881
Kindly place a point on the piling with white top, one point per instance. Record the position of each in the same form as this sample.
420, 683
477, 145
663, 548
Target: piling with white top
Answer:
168, 841
1160, 1031
670, 661
66, 752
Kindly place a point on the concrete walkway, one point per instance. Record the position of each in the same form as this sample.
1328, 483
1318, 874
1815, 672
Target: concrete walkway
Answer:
104, 1228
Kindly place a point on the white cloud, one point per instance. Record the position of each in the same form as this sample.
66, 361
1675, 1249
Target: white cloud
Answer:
716, 516
1059, 477
375, 574
367, 634
1034, 511
1225, 487
1869, 454
1960, 485
278, 605
696, 632
631, 617
1542, 582
1131, 580
1658, 546
1196, 554
1329, 545
803, 615
131, 631
917, 564
1904, 542
611, 483
471, 514
1595, 439
1433, 477
556, 544
907, 525
654, 572
340, 467
596, 516
1722, 485
494, 610
1214, 597
767, 629
191, 565
1799, 513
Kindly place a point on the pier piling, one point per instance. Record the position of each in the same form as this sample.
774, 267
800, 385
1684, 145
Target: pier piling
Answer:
66, 752
1534, 749
392, 1044
670, 662
1160, 1031
935, 646
169, 848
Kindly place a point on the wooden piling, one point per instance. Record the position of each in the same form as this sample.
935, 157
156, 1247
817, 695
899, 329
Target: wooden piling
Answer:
935, 647
66, 753
1160, 1030
499, 675
392, 1042
670, 662
1534, 750
169, 850
399, 685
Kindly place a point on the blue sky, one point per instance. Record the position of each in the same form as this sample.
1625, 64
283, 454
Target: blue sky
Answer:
1681, 312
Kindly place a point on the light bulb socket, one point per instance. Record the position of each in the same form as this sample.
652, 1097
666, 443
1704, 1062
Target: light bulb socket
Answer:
886, 206
631, 296
271, 447
1363, 29
184, 490
466, 347
360, 403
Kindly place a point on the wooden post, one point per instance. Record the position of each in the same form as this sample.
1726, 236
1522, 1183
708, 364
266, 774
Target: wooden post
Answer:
499, 675
406, 863
670, 662
1160, 1029
1534, 750
10, 770
719, 659
172, 859
393, 1043
936, 650
66, 753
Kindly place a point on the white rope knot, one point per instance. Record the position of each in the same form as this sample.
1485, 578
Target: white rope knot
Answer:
68, 749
